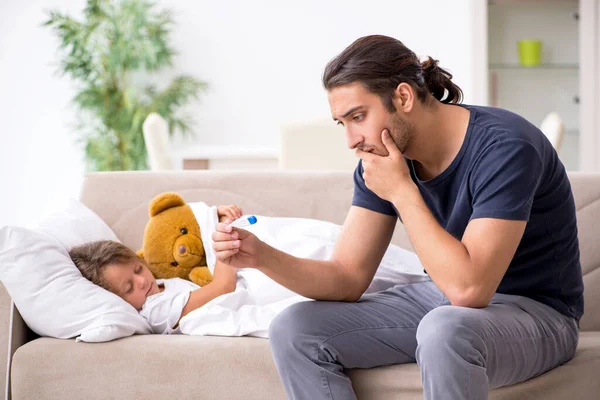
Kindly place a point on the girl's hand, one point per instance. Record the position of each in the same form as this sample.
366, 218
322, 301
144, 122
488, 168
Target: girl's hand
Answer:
228, 214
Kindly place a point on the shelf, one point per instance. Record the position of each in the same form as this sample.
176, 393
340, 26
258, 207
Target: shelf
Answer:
498, 66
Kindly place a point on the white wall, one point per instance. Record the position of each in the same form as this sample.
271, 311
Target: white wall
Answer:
263, 60
38, 155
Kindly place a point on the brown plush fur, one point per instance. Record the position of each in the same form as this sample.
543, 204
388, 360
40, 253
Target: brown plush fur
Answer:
172, 236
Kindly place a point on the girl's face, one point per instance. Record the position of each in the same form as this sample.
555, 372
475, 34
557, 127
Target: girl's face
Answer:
132, 281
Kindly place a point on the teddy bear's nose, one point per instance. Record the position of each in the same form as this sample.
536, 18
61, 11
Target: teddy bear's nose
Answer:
182, 249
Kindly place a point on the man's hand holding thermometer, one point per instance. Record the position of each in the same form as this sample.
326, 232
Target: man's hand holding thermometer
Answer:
240, 248
235, 246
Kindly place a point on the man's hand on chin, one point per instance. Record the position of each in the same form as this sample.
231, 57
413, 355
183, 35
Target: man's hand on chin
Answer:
387, 176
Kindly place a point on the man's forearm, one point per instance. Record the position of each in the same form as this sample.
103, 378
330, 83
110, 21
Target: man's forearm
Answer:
445, 258
315, 279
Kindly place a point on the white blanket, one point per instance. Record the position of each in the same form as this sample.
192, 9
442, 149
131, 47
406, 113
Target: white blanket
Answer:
258, 299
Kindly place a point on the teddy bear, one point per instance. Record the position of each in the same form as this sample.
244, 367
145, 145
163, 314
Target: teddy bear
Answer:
172, 245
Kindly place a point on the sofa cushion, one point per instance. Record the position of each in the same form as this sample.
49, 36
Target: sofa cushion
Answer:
199, 367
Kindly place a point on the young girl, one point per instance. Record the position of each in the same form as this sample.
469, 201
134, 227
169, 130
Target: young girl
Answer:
162, 302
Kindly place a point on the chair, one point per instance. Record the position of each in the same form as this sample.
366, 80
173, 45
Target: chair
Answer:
156, 136
314, 145
553, 127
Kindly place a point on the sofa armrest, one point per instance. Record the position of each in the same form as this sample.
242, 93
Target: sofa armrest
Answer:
18, 335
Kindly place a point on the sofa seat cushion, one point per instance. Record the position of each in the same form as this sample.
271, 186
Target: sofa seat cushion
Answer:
178, 366
577, 379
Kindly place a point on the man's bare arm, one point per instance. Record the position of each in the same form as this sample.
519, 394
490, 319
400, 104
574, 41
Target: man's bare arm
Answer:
467, 271
358, 252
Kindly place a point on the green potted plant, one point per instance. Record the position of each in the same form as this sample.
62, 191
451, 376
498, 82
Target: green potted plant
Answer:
117, 45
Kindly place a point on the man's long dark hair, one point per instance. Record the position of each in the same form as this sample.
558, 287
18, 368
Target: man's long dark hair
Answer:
381, 63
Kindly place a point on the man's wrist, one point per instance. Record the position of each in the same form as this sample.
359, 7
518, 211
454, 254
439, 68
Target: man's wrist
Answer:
405, 193
265, 256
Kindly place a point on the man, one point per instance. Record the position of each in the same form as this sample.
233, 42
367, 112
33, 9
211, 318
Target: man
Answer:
489, 210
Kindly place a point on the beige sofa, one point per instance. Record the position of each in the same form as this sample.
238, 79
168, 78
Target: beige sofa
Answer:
180, 367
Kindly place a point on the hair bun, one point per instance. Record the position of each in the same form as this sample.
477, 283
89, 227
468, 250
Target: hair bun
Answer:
430, 69
439, 82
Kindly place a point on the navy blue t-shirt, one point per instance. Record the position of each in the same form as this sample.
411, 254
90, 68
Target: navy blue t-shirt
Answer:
507, 169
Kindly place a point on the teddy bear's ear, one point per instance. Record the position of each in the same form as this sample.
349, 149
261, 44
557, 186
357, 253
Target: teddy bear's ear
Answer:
164, 201
140, 254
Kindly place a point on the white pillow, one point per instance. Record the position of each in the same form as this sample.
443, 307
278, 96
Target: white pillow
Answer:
47, 288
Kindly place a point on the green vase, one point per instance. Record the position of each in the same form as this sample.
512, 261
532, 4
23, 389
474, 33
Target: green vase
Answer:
530, 52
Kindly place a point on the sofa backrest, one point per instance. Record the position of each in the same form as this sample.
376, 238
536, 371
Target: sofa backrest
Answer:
121, 199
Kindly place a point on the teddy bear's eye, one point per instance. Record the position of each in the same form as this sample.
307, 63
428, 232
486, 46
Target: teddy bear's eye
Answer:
183, 231
174, 263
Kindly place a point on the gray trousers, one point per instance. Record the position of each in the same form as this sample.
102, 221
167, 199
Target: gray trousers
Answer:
462, 352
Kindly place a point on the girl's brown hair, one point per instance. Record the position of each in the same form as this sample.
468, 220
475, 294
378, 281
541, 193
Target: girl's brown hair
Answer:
92, 259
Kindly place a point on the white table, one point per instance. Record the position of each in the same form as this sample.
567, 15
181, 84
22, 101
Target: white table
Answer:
226, 157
